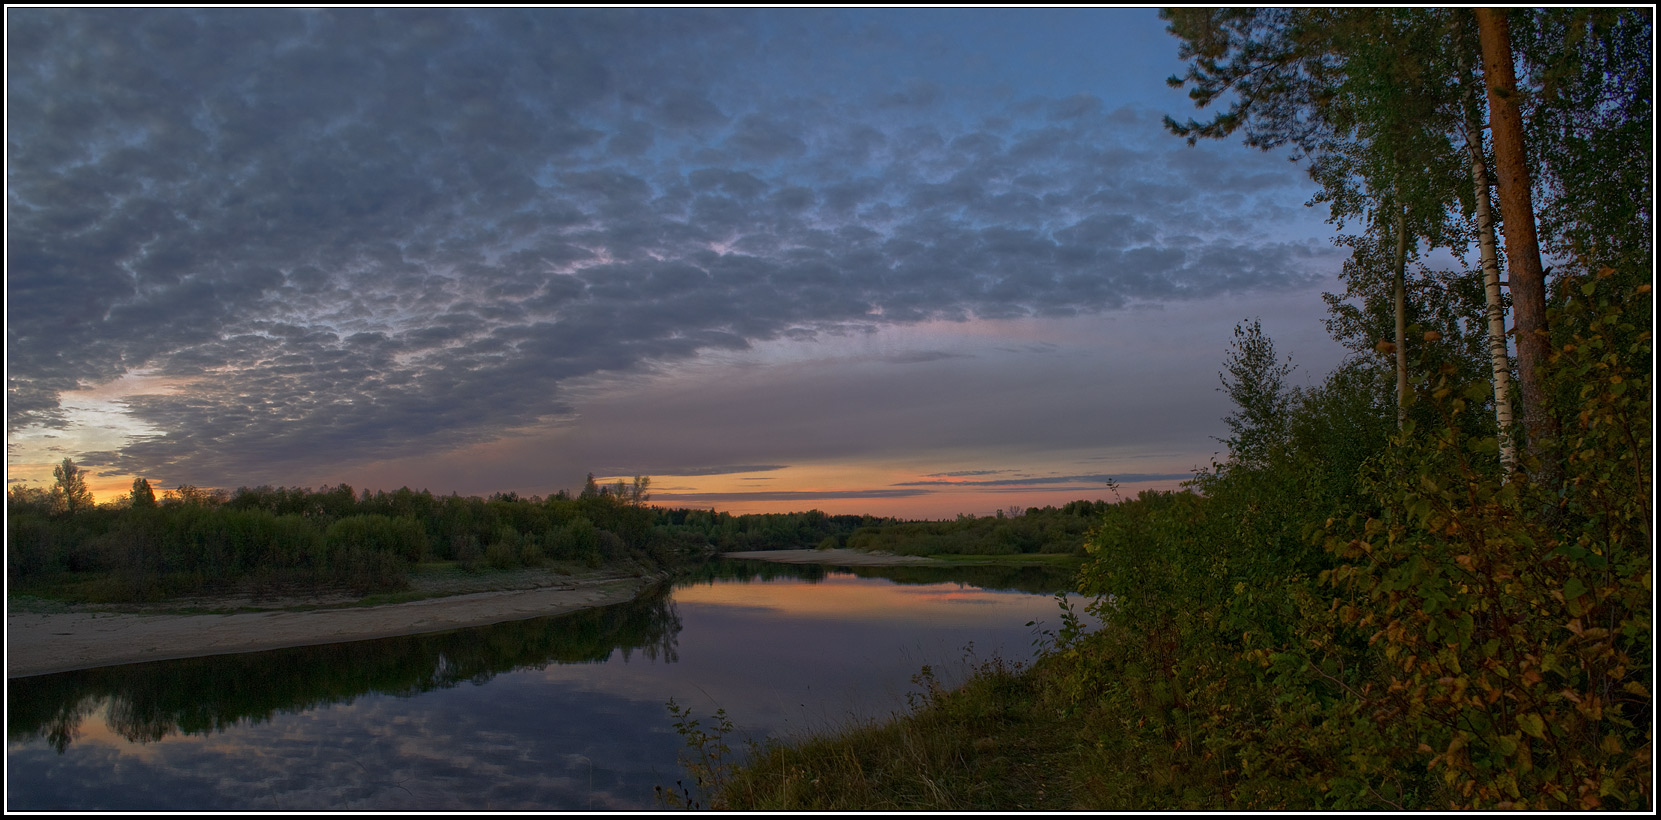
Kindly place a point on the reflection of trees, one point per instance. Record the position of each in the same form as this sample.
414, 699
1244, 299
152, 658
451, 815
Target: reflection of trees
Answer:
149, 701
1038, 579
60, 723
745, 571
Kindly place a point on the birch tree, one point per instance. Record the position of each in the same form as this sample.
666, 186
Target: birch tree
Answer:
1488, 252
1525, 271
1379, 101
1361, 93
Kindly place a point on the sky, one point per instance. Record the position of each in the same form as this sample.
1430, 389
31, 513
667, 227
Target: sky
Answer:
901, 262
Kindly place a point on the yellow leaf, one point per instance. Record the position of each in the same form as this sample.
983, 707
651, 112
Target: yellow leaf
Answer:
1532, 724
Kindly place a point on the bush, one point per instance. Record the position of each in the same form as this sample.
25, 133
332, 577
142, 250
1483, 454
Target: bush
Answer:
1514, 619
1361, 619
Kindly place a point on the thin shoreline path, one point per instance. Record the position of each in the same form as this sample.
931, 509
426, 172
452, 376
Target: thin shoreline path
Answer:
46, 643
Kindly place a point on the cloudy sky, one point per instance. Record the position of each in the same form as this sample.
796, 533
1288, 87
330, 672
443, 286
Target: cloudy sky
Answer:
905, 262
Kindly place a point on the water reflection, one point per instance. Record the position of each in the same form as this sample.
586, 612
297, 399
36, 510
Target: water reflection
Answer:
146, 702
1041, 580
553, 713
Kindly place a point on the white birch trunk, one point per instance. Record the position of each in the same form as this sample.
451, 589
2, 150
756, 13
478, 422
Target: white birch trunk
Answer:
1489, 246
1401, 316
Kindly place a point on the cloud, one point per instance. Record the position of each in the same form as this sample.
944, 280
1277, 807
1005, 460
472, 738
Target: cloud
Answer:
781, 495
371, 232
723, 470
922, 356
1122, 478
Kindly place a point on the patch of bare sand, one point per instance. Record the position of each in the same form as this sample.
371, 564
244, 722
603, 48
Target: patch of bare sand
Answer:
42, 643
836, 557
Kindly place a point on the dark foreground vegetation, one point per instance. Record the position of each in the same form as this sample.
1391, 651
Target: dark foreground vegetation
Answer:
1411, 587
1359, 618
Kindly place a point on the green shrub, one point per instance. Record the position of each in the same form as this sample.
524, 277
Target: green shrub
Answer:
1514, 619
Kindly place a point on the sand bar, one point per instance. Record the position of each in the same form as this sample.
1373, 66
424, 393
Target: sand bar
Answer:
38, 644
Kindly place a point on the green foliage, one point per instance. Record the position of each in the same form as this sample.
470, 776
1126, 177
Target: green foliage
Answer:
1590, 129
993, 744
1370, 95
709, 760
769, 531
1373, 620
372, 553
264, 539
1255, 381
1037, 530
1514, 620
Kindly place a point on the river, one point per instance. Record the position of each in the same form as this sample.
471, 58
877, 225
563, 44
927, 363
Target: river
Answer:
558, 713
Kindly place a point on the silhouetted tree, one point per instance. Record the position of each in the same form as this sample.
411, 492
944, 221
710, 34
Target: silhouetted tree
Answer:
143, 496
70, 493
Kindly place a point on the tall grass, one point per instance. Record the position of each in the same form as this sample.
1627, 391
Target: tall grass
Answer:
994, 743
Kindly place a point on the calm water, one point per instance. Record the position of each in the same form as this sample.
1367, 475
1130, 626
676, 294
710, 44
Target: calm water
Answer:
551, 713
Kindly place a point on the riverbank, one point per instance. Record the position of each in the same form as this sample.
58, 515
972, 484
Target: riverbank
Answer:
39, 643
1002, 741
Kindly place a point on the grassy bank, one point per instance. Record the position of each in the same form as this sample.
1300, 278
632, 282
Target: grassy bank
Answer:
996, 743
1008, 739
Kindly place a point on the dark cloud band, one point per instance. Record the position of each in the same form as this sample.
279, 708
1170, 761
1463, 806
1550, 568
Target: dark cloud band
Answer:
367, 232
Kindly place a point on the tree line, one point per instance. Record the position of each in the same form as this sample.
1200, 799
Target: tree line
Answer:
270, 538
1045, 529
191, 539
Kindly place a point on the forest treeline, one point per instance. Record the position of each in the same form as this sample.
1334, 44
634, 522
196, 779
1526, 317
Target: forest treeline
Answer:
1425, 582
269, 539
1033, 530
275, 538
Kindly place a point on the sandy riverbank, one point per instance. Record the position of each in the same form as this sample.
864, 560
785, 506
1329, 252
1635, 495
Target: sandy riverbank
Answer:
838, 557
38, 644
42, 643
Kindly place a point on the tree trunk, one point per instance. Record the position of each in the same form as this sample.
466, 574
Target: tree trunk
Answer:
1526, 274
1401, 316
1491, 288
